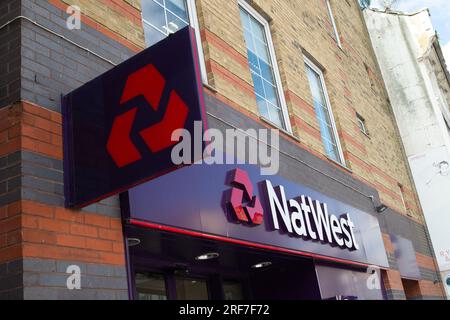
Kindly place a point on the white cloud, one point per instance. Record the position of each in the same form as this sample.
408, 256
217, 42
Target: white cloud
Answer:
446, 50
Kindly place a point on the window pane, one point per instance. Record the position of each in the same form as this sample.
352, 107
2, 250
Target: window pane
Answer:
152, 35
191, 289
261, 50
253, 62
258, 30
154, 13
316, 87
331, 151
174, 23
361, 123
260, 63
258, 83
262, 106
323, 114
271, 94
167, 16
266, 71
245, 20
249, 41
178, 7
275, 115
150, 286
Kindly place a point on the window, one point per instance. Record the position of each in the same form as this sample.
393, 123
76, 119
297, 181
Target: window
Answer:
362, 124
333, 22
191, 289
323, 112
163, 17
150, 286
262, 61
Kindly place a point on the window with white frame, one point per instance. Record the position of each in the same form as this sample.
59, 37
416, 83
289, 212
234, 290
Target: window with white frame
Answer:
362, 124
163, 17
323, 111
333, 23
262, 61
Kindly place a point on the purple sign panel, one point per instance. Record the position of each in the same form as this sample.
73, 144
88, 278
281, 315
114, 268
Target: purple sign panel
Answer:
237, 204
118, 127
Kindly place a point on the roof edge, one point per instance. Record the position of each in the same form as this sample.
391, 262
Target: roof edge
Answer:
398, 13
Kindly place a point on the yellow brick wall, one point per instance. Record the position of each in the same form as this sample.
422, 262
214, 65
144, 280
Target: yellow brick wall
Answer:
297, 27
121, 17
304, 26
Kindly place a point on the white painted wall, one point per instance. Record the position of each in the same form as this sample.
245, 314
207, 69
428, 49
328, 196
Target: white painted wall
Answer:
408, 61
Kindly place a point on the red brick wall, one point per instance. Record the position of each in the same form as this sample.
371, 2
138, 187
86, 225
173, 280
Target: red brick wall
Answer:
33, 229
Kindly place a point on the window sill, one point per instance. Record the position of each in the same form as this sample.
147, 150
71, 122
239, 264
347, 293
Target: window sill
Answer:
365, 134
343, 166
290, 134
341, 48
210, 87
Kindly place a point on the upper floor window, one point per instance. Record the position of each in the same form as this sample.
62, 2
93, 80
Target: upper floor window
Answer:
163, 17
323, 111
362, 124
333, 22
262, 61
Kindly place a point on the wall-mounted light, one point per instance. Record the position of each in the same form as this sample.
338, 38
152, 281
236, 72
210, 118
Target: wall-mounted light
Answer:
262, 265
207, 256
132, 242
380, 208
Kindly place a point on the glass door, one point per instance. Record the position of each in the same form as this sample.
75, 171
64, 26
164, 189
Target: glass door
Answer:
191, 288
160, 285
150, 286
165, 286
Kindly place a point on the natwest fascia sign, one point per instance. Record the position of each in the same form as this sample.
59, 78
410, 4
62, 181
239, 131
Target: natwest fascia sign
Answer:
309, 219
276, 214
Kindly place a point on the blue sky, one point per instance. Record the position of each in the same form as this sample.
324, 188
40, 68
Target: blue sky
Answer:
440, 15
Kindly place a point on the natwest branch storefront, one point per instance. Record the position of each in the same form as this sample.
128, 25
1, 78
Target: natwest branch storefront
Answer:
216, 231
223, 232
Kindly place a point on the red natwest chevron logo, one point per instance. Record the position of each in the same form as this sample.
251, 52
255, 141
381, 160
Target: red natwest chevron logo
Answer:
242, 192
149, 83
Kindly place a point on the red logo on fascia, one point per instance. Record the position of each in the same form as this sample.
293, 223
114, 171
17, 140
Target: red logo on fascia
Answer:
244, 205
149, 83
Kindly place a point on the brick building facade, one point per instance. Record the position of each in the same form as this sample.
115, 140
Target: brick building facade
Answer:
40, 59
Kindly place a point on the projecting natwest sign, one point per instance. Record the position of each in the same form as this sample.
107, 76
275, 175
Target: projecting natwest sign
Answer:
118, 127
237, 204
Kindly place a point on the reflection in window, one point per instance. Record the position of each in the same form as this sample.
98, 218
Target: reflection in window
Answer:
323, 114
261, 69
150, 286
191, 289
361, 124
163, 17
